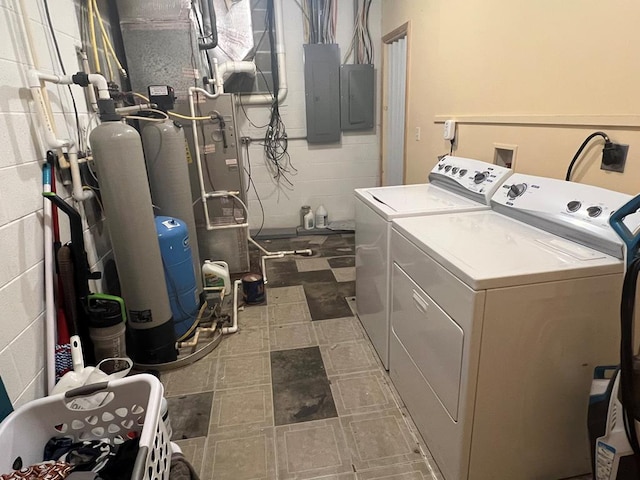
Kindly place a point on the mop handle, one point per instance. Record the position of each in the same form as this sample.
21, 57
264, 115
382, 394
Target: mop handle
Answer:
616, 220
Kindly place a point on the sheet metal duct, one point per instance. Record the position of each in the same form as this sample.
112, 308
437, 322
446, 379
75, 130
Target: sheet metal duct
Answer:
160, 44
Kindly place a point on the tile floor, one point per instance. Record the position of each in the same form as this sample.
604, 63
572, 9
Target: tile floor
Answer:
298, 393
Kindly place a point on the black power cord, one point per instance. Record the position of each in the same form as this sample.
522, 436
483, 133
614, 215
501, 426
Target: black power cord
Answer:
607, 145
275, 138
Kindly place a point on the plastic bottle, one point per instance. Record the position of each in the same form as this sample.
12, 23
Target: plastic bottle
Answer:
215, 276
321, 217
303, 211
309, 222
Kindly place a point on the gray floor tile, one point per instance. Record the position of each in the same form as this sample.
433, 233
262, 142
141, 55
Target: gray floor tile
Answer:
327, 299
243, 371
348, 357
241, 409
244, 341
193, 451
253, 316
310, 450
338, 330
301, 390
195, 378
190, 415
285, 337
246, 455
289, 313
361, 393
379, 439
346, 274
280, 295
312, 264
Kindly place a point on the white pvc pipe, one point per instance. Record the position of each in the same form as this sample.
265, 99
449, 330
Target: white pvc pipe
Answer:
260, 98
101, 84
196, 146
35, 79
50, 309
228, 68
234, 327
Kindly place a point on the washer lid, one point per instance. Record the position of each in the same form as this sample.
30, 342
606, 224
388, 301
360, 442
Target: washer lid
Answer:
488, 250
408, 200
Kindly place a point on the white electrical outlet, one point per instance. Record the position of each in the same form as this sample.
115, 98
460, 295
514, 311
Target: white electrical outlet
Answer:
449, 131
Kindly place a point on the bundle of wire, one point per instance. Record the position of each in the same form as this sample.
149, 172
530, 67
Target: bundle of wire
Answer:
361, 45
275, 137
320, 17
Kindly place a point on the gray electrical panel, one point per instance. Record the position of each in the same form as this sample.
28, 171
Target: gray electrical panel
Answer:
322, 92
222, 168
357, 94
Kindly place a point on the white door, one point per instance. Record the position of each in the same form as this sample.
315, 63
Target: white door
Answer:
395, 93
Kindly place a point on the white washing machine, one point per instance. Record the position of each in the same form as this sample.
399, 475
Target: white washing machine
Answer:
457, 185
497, 326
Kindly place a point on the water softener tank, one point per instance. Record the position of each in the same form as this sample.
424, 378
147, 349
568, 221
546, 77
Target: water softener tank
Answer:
117, 152
173, 237
166, 156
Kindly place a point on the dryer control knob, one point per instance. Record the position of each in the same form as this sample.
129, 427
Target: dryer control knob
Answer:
447, 168
594, 211
454, 170
440, 166
463, 172
516, 190
574, 206
480, 177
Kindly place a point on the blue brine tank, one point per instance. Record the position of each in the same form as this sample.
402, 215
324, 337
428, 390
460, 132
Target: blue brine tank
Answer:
178, 269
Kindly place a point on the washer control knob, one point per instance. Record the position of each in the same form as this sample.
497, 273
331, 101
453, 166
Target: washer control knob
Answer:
480, 177
447, 168
574, 206
440, 166
454, 170
516, 190
463, 172
594, 211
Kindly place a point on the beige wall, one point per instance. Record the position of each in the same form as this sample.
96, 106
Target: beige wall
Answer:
538, 74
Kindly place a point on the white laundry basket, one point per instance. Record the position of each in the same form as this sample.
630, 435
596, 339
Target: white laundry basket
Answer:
127, 405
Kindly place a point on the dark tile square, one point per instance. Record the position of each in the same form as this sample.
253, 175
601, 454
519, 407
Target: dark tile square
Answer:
301, 390
326, 299
189, 415
347, 289
342, 262
290, 279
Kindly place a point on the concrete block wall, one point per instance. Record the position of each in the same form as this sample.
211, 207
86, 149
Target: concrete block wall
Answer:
326, 174
22, 152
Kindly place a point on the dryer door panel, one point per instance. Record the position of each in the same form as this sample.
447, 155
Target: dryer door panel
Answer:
433, 340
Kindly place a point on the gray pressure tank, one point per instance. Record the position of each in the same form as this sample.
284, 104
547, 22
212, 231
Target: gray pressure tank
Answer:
117, 151
166, 156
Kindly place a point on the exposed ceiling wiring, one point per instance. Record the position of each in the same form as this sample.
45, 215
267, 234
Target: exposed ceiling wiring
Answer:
361, 45
320, 19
